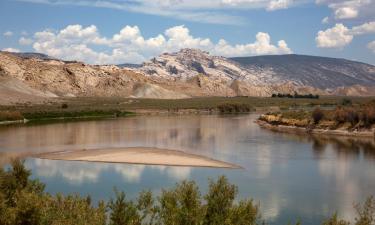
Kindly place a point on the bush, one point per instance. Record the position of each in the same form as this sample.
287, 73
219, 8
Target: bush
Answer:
343, 115
10, 115
346, 102
234, 108
368, 116
64, 106
317, 115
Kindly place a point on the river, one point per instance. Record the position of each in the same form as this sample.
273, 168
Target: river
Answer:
292, 177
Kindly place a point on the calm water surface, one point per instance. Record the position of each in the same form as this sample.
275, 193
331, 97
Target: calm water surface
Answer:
291, 176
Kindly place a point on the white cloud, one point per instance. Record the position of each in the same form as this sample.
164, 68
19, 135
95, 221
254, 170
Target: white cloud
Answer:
371, 46
8, 34
25, 41
10, 50
209, 11
129, 45
335, 37
346, 13
349, 9
325, 20
340, 36
279, 4
365, 28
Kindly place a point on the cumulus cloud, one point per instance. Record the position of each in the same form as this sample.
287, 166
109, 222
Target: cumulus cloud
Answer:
76, 42
10, 50
371, 46
25, 41
211, 11
340, 35
335, 37
8, 34
349, 9
279, 4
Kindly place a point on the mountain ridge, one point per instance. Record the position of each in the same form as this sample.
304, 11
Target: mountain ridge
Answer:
182, 74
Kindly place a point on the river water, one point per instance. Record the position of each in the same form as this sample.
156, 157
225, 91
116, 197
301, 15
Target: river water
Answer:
292, 177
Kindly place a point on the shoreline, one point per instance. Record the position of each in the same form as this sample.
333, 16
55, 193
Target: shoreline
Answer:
138, 155
295, 129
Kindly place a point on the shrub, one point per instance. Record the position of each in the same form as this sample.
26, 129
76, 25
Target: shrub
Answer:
234, 108
123, 212
64, 106
346, 102
10, 115
368, 116
317, 115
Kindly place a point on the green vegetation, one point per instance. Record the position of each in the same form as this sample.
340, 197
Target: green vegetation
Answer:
24, 202
10, 115
360, 116
234, 108
296, 95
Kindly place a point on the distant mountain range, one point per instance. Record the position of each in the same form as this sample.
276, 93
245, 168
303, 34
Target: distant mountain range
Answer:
187, 73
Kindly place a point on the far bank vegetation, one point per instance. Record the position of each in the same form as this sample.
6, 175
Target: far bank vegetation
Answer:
345, 116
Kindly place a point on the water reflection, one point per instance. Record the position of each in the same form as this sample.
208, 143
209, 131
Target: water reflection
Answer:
292, 176
78, 173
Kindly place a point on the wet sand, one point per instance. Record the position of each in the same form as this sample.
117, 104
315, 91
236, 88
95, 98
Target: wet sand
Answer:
138, 155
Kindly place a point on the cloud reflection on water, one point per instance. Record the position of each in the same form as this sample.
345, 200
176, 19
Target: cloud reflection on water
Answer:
82, 172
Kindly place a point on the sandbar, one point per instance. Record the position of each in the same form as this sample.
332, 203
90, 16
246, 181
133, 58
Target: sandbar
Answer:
138, 155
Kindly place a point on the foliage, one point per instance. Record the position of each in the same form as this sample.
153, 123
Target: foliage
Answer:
317, 115
181, 205
346, 102
234, 108
123, 212
334, 220
10, 115
365, 212
296, 95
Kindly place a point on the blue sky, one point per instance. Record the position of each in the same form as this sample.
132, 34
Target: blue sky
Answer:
117, 31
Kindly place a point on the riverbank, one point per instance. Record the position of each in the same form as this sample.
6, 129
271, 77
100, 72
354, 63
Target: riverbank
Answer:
315, 131
138, 155
82, 108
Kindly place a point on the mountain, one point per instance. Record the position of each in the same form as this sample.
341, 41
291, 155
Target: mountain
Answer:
30, 55
30, 77
129, 65
264, 75
319, 72
37, 80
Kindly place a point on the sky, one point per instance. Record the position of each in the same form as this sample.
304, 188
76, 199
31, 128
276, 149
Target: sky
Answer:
132, 31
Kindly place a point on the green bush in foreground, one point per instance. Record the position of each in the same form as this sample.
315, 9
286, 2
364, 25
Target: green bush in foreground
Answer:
24, 202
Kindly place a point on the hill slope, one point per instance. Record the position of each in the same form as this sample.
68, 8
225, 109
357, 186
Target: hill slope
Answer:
319, 72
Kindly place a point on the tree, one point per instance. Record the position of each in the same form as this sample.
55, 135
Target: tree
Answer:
219, 199
317, 115
245, 213
334, 220
123, 212
181, 205
365, 212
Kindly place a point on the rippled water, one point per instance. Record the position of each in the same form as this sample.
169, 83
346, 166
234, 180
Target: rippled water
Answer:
291, 176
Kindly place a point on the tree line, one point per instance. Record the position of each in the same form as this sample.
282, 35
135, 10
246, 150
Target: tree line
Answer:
295, 95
